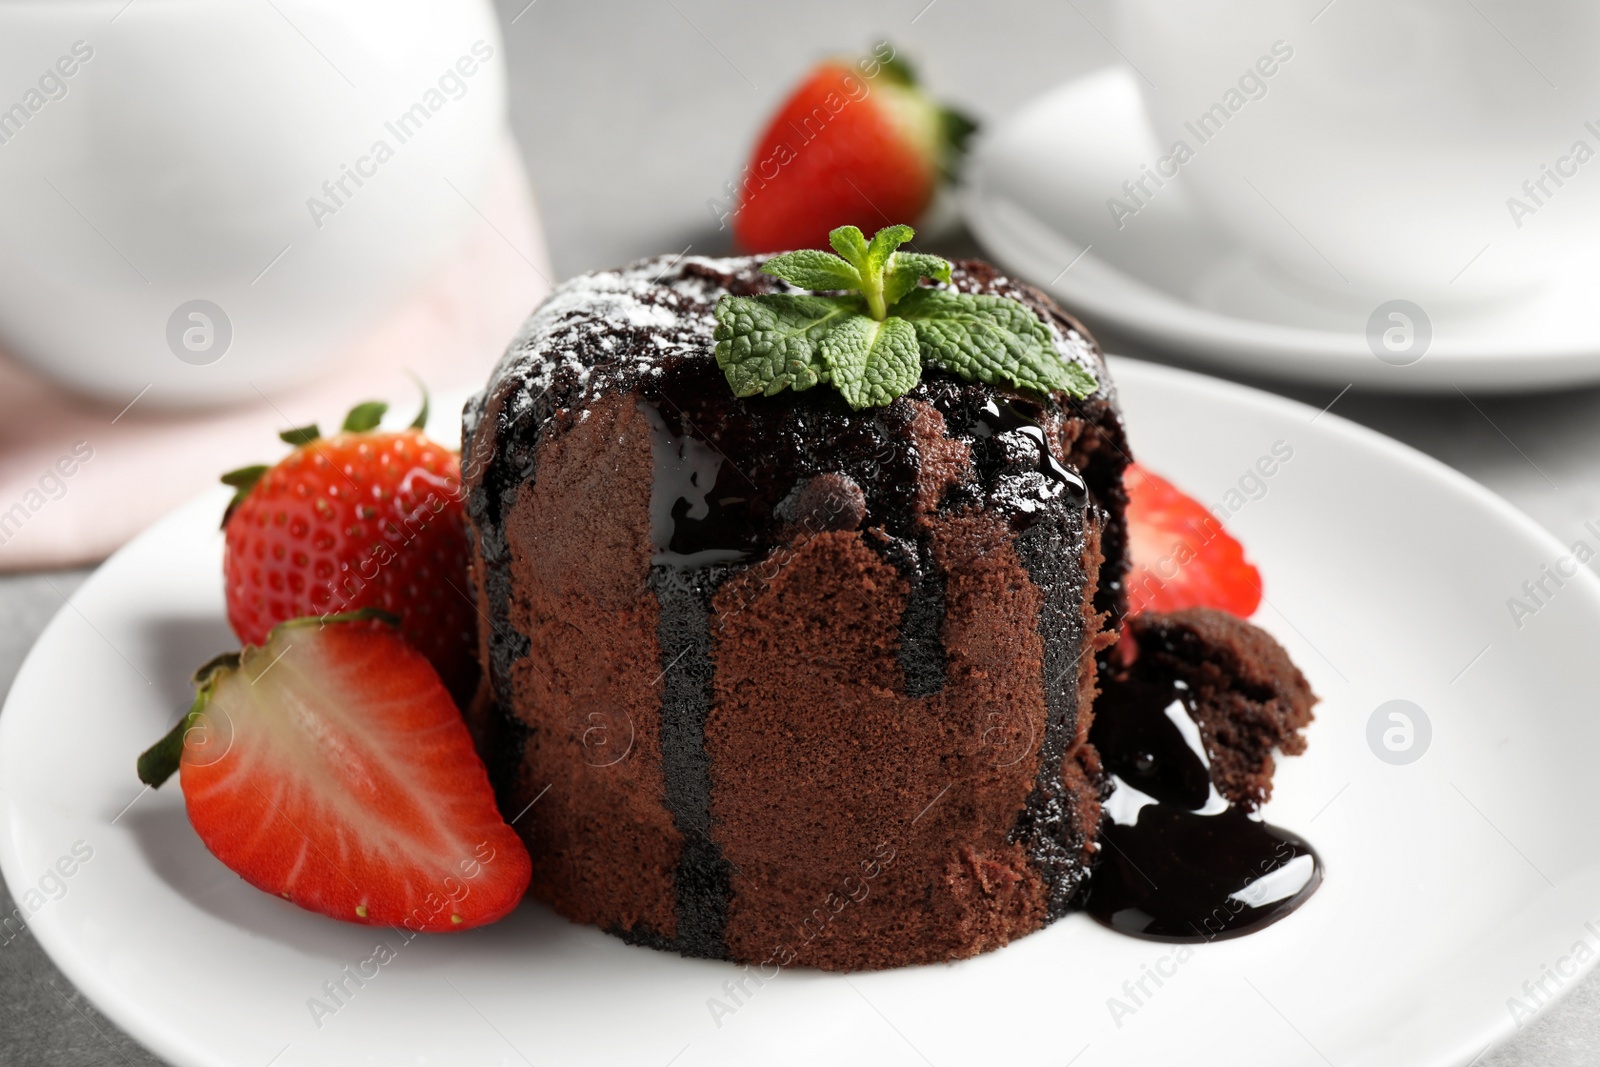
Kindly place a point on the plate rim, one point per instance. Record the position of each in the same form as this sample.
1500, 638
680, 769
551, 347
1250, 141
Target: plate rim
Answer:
1220, 341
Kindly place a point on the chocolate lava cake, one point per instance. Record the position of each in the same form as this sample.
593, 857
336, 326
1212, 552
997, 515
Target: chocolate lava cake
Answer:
784, 682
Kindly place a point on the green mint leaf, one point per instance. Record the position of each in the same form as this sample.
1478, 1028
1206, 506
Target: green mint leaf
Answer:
813, 269
850, 243
1080, 383
871, 361
906, 269
767, 344
884, 242
990, 339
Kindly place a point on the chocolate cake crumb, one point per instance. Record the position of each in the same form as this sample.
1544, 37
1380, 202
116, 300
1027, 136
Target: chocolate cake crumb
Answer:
1249, 696
828, 501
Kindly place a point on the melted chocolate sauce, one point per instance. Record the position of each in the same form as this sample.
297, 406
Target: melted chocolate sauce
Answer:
1179, 863
996, 418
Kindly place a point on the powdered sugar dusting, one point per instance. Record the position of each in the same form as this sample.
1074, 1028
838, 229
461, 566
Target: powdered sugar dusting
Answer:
597, 329
610, 329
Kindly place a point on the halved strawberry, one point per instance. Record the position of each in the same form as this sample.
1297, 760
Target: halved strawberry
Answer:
1179, 554
329, 766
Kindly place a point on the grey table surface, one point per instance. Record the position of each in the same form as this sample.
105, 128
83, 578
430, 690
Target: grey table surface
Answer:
631, 115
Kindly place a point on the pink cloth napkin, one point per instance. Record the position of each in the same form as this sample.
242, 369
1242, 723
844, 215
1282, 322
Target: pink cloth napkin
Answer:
74, 485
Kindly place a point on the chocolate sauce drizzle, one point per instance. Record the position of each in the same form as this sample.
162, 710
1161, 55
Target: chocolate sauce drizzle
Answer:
1047, 504
1178, 862
506, 736
996, 418
703, 875
695, 535
922, 658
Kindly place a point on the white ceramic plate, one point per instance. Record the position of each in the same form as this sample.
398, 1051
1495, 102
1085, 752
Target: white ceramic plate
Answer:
1036, 197
1451, 881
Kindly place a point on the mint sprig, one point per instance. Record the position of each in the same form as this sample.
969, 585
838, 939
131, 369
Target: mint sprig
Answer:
766, 344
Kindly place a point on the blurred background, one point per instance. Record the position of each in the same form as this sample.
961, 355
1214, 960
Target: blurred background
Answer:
627, 120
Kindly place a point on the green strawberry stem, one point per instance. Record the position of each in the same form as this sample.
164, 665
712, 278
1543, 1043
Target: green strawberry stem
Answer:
162, 759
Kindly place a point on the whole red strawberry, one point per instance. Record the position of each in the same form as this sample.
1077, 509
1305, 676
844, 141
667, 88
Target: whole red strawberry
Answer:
856, 144
363, 519
1179, 554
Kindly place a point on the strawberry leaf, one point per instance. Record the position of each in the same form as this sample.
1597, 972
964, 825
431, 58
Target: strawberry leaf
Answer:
245, 478
300, 435
219, 662
241, 481
899, 70
364, 417
421, 421
955, 131
768, 344
870, 361
990, 339
813, 269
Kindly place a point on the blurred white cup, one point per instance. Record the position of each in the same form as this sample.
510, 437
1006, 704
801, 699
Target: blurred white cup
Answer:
1428, 149
207, 198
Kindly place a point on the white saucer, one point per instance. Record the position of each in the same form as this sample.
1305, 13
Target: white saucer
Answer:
1036, 197
1451, 881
